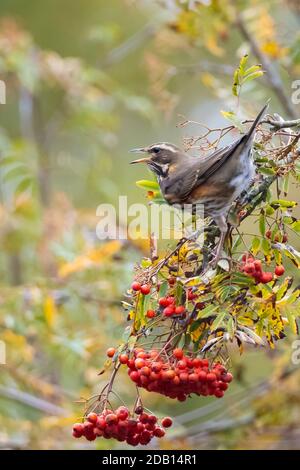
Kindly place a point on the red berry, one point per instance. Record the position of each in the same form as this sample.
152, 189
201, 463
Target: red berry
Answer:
101, 423
182, 364
179, 310
122, 413
170, 300
266, 277
193, 378
227, 377
152, 419
110, 352
168, 374
202, 376
166, 422
145, 370
197, 362
163, 302
184, 377
111, 419
279, 270
150, 314
145, 289
211, 377
249, 268
135, 376
158, 432
168, 311
139, 363
92, 418
284, 238
78, 430
123, 358
191, 295
136, 286
172, 281
156, 366
257, 265
268, 233
144, 418
178, 353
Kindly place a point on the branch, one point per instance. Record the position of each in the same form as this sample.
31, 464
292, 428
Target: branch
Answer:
32, 401
281, 124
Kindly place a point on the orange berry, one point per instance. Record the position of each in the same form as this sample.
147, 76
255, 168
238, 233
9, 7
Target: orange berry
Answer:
110, 352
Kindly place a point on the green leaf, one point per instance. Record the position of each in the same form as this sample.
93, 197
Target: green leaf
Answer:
296, 226
253, 76
252, 69
292, 321
266, 171
218, 322
255, 245
243, 63
283, 203
262, 224
163, 288
231, 327
284, 288
232, 117
208, 311
266, 247
148, 185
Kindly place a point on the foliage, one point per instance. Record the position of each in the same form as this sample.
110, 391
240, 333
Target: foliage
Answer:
77, 98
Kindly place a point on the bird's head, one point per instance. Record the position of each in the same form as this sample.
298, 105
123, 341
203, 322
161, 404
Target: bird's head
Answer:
161, 158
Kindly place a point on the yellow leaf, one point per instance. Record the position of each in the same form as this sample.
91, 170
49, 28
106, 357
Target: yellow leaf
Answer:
50, 310
90, 259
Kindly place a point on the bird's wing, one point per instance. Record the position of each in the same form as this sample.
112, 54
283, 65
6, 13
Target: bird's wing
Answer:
200, 170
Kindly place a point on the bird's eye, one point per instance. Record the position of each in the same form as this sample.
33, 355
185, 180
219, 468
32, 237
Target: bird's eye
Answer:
155, 149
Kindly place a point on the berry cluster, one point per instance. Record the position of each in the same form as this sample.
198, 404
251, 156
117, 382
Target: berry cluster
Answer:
166, 305
277, 237
119, 425
177, 376
144, 289
169, 307
252, 267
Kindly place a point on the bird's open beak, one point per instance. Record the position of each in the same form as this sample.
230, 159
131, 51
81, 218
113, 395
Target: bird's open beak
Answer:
140, 160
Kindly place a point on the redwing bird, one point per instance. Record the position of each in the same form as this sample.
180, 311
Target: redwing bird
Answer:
215, 181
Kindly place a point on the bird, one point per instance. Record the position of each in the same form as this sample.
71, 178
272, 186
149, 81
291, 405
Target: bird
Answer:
215, 180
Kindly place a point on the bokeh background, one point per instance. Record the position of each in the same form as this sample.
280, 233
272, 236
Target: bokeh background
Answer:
85, 82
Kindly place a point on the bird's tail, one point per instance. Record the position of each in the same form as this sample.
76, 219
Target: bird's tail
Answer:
256, 121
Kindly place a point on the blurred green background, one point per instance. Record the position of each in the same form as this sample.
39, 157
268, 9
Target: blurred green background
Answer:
85, 82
